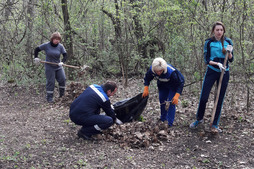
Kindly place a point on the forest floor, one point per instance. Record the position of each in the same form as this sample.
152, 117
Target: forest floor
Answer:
35, 134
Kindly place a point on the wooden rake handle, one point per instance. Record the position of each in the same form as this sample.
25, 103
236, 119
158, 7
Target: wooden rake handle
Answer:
53, 63
218, 90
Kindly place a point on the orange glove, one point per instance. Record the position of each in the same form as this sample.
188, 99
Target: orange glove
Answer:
146, 91
175, 98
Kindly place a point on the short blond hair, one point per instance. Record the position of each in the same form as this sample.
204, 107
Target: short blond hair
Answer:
55, 35
159, 64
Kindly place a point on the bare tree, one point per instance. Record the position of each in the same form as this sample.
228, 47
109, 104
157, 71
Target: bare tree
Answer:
118, 42
68, 34
29, 23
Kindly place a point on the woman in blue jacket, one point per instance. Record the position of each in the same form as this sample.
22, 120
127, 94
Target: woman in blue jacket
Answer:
170, 83
214, 55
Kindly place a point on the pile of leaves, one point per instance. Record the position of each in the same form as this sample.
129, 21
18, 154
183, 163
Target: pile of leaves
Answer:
73, 90
139, 134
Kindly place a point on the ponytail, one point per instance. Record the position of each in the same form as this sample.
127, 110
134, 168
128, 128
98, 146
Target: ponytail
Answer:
224, 51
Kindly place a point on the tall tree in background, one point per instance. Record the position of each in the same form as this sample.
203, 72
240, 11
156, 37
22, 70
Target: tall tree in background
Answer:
245, 55
145, 45
138, 29
29, 27
68, 35
118, 41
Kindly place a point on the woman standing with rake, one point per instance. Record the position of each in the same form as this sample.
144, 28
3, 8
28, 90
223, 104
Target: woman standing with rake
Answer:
214, 55
53, 50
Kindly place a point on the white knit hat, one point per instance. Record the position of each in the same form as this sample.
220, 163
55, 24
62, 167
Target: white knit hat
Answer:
159, 64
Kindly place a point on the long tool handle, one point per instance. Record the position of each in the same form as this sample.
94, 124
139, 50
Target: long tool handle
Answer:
218, 90
53, 63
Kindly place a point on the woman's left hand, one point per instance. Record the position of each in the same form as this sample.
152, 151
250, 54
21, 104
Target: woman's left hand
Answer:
175, 99
60, 64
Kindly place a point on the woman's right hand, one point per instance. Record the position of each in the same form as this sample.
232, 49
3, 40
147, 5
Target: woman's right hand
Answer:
37, 61
221, 66
146, 91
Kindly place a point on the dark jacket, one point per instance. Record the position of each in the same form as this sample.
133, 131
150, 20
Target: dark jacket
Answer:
90, 102
171, 79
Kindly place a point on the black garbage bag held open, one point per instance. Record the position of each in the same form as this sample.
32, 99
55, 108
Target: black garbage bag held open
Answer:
130, 109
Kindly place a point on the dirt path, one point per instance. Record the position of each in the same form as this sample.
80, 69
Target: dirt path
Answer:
34, 134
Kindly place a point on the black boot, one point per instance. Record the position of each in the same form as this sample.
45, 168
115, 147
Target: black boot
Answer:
49, 97
61, 92
84, 136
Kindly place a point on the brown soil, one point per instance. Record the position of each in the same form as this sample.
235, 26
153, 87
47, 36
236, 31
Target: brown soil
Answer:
35, 134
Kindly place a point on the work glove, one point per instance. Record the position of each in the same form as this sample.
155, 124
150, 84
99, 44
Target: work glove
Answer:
85, 67
146, 91
37, 60
175, 99
229, 48
60, 64
221, 66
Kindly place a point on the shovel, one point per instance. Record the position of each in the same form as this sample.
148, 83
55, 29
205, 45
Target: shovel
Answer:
75, 67
229, 48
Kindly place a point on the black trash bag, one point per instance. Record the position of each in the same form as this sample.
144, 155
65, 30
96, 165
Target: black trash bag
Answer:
130, 109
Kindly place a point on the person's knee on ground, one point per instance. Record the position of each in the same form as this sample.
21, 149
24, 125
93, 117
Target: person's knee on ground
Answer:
97, 128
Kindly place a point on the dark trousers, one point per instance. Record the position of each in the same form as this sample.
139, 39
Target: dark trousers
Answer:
93, 124
53, 73
210, 77
166, 94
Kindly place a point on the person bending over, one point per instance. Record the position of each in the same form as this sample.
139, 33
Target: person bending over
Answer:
170, 84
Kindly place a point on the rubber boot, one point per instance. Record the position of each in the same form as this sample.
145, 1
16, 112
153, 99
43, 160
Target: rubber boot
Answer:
61, 92
49, 97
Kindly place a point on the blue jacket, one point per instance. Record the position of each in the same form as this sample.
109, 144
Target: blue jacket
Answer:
172, 79
213, 52
90, 102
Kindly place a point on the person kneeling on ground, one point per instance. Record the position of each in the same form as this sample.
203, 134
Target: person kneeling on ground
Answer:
85, 109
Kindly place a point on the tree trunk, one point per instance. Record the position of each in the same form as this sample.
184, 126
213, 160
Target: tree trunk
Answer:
8, 9
68, 37
29, 20
118, 41
242, 45
138, 29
